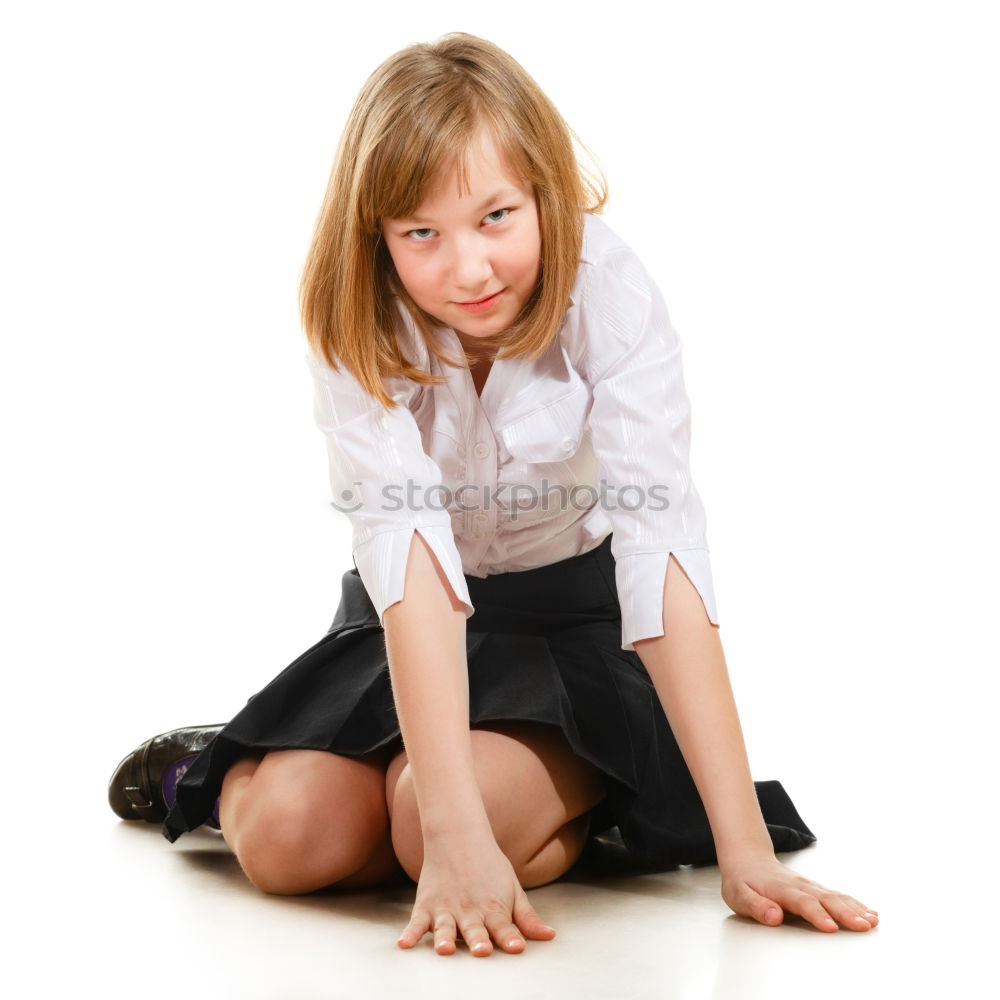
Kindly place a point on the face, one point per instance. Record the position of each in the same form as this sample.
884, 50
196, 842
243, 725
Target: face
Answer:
470, 258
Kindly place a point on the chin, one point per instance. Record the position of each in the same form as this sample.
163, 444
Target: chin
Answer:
484, 329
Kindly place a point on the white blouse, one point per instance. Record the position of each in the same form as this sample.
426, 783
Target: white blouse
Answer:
589, 439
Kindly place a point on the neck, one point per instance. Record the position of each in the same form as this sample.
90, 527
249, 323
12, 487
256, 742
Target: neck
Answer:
474, 348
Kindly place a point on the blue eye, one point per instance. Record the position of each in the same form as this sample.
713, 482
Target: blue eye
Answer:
502, 212
420, 235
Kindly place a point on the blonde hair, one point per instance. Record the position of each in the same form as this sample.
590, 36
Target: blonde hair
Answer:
417, 116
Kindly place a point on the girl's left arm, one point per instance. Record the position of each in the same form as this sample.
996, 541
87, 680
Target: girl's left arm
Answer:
688, 669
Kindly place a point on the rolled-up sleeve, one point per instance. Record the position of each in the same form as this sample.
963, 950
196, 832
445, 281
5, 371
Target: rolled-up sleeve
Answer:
382, 479
640, 425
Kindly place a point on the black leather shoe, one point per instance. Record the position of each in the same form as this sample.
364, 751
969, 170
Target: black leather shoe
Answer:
136, 788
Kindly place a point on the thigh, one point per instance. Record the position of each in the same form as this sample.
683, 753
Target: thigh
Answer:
532, 763
300, 793
292, 772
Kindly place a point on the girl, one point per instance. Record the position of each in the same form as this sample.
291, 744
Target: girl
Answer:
526, 650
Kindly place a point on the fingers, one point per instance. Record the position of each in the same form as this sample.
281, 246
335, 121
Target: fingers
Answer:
445, 934
474, 895
825, 910
506, 935
419, 925
475, 935
527, 918
752, 904
848, 912
477, 932
828, 910
810, 908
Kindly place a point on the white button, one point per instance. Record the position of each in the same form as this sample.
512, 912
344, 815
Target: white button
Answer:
481, 450
568, 444
480, 519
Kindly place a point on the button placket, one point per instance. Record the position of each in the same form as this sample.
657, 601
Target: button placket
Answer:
482, 522
481, 456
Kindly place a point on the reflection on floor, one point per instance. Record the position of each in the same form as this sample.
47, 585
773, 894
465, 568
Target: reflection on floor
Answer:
145, 916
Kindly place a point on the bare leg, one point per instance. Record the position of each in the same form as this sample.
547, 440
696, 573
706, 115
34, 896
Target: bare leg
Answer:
557, 856
537, 795
299, 820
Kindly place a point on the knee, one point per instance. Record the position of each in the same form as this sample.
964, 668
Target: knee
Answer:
534, 865
557, 856
407, 836
273, 849
291, 846
305, 821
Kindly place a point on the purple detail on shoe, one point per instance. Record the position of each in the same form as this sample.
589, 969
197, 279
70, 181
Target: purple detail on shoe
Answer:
173, 774
214, 821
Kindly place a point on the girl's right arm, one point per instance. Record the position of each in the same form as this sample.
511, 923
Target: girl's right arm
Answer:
407, 559
466, 884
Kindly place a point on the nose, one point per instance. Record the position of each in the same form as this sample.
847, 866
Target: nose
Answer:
471, 267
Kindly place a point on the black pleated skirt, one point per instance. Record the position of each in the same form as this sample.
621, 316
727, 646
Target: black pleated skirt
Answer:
544, 645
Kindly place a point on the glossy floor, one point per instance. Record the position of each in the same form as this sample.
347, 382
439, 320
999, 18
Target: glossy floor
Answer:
124, 913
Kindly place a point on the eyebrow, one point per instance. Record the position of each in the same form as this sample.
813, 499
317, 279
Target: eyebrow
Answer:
507, 192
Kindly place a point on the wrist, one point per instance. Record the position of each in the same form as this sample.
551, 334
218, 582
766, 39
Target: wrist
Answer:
750, 851
461, 816
456, 828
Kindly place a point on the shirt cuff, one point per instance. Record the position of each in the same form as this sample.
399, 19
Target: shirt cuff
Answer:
381, 563
641, 579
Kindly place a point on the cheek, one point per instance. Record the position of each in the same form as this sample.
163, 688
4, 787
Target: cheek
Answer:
528, 261
531, 249
521, 257
413, 277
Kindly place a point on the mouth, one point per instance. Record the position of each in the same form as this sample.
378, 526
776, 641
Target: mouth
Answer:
481, 305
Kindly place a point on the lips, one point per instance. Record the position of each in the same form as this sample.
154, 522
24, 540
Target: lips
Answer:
479, 302
481, 305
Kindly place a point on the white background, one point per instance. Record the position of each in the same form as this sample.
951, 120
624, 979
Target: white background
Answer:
813, 186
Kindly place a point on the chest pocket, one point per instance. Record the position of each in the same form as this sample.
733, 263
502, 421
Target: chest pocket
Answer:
550, 433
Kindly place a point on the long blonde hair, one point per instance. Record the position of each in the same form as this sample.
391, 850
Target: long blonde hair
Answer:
417, 116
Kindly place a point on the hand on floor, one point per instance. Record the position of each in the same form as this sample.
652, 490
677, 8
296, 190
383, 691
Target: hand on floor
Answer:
470, 889
765, 889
